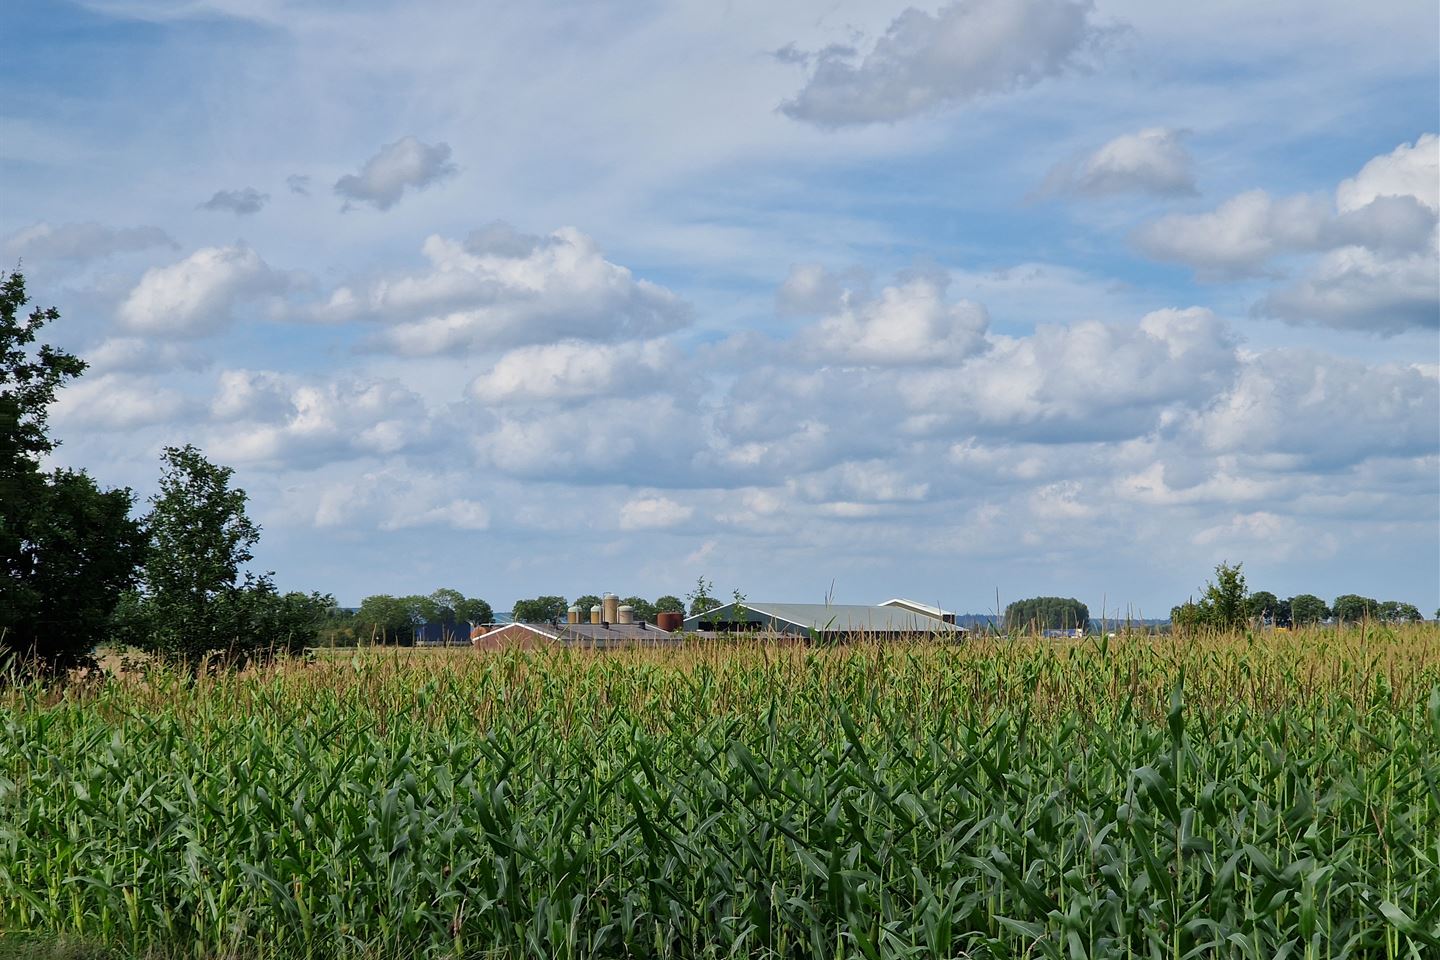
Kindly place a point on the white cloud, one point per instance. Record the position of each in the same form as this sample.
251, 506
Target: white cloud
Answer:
113, 401
406, 163
239, 202
1410, 170
910, 323
1153, 161
197, 295
965, 50
137, 355
572, 370
1240, 236
486, 294
82, 241
283, 419
653, 513
1355, 288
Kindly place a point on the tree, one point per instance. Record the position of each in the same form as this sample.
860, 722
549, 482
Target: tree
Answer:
197, 602
1282, 616
1394, 611
68, 550
1223, 603
644, 609
1352, 608
1261, 606
585, 603
474, 611
671, 604
539, 610
700, 599
1307, 609
1046, 613
386, 619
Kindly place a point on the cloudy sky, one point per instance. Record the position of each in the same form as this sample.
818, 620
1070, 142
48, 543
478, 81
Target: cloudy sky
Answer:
950, 301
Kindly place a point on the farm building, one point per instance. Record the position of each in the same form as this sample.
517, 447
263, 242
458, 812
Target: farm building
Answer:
832, 621
923, 609
597, 636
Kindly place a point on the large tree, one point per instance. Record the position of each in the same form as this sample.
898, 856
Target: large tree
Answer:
669, 604
68, 550
1307, 609
539, 610
1047, 613
644, 609
1352, 608
198, 603
385, 619
1223, 604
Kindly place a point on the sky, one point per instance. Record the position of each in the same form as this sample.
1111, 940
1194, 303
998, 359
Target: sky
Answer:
964, 302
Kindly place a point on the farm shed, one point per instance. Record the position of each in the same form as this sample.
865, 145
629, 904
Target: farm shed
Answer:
923, 609
597, 636
830, 621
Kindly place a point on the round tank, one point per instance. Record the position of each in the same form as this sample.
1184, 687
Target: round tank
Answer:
625, 614
612, 608
596, 612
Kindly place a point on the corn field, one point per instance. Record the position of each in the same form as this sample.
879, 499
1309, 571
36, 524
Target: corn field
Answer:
1254, 796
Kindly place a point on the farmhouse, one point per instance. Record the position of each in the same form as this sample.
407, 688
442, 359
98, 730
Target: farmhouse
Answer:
825, 620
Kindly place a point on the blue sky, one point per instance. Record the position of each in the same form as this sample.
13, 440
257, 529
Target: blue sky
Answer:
950, 300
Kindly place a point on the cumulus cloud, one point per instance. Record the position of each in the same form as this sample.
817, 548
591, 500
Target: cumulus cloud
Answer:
653, 513
406, 163
907, 324
1374, 249
1151, 161
139, 355
965, 50
572, 370
394, 498
116, 401
197, 295
500, 290
239, 202
1300, 409
298, 183
283, 419
81, 241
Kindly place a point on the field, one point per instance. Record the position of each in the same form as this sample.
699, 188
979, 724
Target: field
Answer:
1234, 796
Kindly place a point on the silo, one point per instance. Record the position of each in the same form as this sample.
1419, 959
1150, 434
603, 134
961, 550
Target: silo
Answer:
612, 608
626, 614
573, 614
596, 612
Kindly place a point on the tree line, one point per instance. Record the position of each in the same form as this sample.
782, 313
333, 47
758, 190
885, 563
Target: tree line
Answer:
78, 566
1226, 603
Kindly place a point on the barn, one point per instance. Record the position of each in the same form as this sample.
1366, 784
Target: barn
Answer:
832, 621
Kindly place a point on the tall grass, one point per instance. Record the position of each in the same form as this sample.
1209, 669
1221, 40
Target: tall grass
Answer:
1232, 796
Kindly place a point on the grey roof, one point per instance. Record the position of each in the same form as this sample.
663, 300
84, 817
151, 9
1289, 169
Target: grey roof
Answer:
835, 617
594, 633
918, 607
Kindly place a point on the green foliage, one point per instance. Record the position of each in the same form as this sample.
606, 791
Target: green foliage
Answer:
1394, 611
1046, 613
644, 609
585, 602
197, 604
540, 610
1307, 609
68, 550
669, 604
1352, 608
1262, 606
386, 619
868, 803
474, 611
700, 598
1223, 605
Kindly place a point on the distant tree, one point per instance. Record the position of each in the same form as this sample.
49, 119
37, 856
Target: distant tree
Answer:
1046, 613
1188, 616
700, 599
445, 602
386, 619
644, 609
585, 603
68, 550
670, 604
1261, 607
1307, 609
1352, 608
539, 610
1394, 611
1282, 616
473, 610
1226, 597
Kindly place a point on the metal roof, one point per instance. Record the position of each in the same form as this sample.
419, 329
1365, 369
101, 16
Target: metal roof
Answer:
835, 617
919, 607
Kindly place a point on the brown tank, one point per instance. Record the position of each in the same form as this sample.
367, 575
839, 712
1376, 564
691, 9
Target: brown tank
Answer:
476, 633
670, 621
